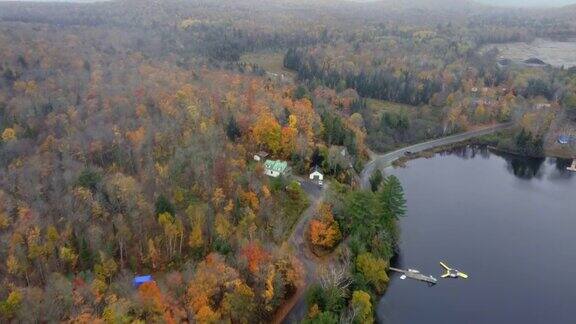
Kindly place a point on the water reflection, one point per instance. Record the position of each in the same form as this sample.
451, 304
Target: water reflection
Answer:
473, 215
523, 167
469, 152
562, 164
520, 166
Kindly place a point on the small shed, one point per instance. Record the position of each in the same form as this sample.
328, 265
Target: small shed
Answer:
542, 105
316, 175
139, 280
260, 156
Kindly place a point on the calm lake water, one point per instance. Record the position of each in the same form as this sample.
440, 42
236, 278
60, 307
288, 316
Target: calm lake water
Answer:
508, 222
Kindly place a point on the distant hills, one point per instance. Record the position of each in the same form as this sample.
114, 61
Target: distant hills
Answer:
71, 1
498, 3
423, 3
527, 3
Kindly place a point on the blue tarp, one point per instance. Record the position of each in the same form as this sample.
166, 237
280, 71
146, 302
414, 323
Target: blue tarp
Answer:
138, 280
563, 139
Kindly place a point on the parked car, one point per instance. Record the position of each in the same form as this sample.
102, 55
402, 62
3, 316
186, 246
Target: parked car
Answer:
563, 139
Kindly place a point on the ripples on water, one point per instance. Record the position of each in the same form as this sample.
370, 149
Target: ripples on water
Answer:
509, 221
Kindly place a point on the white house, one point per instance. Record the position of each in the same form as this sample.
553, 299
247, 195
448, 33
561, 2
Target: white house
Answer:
316, 175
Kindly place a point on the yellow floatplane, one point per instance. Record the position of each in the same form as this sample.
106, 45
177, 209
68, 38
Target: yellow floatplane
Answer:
452, 273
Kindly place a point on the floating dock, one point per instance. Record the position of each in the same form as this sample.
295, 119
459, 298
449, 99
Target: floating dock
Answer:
573, 166
416, 275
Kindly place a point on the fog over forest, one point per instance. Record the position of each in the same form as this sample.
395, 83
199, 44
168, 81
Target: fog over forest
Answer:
526, 3
218, 161
510, 3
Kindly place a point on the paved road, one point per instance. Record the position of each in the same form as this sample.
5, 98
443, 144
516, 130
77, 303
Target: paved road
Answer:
384, 160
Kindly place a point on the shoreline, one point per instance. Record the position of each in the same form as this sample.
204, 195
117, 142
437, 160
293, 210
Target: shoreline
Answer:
401, 162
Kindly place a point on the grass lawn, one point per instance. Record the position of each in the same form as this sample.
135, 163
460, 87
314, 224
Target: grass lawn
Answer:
271, 62
379, 107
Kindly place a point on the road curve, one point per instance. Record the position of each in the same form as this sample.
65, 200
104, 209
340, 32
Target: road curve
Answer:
384, 160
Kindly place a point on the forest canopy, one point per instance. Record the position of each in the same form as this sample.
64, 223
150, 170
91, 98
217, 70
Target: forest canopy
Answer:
128, 131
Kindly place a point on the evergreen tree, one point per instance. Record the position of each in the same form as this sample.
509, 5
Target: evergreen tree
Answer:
391, 198
376, 180
232, 129
85, 255
163, 205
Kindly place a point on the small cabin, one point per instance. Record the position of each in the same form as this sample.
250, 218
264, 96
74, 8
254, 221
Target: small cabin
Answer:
260, 156
316, 175
275, 169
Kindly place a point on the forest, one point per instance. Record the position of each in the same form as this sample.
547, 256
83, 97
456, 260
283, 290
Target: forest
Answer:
128, 130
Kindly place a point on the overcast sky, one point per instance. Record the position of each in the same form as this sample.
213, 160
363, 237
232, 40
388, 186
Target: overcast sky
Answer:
513, 3
532, 3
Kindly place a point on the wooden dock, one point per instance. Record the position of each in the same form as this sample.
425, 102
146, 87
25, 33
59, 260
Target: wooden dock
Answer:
573, 166
416, 275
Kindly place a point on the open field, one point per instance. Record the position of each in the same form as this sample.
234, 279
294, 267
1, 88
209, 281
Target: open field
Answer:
272, 62
551, 52
387, 106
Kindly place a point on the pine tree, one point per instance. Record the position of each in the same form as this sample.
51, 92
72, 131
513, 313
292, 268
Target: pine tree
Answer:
391, 198
85, 255
232, 129
376, 180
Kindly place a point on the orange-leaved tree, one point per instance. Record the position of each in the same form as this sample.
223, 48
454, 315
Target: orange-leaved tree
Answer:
324, 230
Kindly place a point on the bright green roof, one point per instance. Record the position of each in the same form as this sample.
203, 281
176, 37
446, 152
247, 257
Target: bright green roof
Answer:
278, 166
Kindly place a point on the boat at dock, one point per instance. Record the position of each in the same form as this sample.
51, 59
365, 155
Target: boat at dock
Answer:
416, 275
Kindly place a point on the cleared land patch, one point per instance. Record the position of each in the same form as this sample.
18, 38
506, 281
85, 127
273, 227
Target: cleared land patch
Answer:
550, 52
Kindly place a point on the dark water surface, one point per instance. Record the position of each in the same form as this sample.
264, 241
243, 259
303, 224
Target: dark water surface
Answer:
508, 222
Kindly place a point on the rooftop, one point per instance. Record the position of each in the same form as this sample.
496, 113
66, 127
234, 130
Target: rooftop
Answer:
138, 280
278, 166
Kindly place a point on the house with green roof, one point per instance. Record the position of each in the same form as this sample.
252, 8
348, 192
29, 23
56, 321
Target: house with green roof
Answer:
276, 168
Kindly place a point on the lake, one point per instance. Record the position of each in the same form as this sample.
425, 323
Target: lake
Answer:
508, 222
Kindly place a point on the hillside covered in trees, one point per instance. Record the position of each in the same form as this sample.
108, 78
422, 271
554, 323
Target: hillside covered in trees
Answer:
128, 130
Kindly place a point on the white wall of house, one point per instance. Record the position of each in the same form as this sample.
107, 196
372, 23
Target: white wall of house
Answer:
272, 173
316, 175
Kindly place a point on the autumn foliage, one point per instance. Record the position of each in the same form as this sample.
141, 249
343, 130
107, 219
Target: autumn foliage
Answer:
324, 230
255, 255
